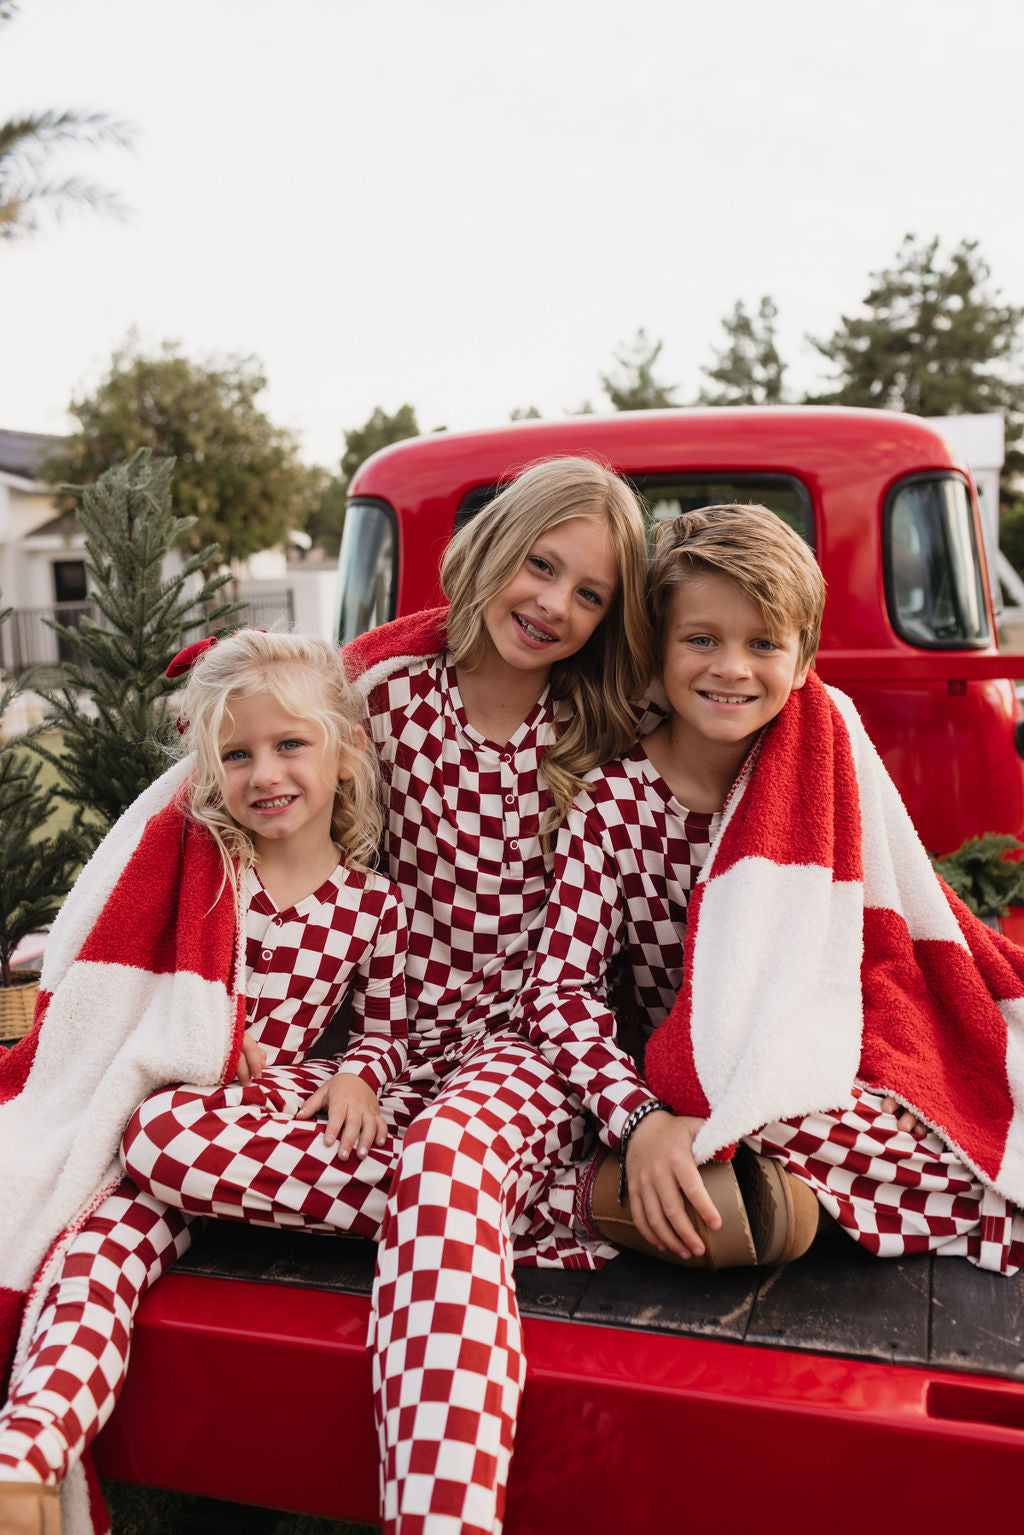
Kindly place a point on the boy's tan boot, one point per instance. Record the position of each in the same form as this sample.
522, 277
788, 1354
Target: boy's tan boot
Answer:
29, 1508
783, 1211
730, 1247
768, 1216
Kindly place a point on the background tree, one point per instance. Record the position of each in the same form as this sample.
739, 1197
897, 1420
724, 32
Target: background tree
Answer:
114, 710
326, 522
748, 369
238, 478
935, 339
28, 145
632, 386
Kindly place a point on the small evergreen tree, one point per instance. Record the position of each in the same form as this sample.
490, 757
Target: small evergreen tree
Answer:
114, 710
633, 386
36, 868
935, 338
748, 369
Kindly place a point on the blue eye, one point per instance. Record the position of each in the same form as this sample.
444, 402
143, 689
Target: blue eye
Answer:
237, 755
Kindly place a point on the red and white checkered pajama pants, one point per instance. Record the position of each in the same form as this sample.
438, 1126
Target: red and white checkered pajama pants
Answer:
892, 1193
234, 1152
65, 1389
238, 1153
445, 1330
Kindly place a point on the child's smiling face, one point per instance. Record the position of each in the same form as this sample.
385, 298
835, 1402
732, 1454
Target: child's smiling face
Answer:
279, 774
725, 675
557, 598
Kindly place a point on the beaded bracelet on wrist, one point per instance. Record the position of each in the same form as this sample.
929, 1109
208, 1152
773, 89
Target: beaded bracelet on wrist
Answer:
637, 1116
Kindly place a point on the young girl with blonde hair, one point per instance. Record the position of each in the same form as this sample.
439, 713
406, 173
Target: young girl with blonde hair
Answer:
268, 827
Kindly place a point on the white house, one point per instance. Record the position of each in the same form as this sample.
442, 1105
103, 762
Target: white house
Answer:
42, 566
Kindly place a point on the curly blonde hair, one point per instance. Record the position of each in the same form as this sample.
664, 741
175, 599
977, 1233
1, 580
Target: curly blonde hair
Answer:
306, 677
599, 684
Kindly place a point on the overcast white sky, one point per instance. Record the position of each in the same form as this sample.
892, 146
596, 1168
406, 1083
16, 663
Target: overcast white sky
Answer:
469, 205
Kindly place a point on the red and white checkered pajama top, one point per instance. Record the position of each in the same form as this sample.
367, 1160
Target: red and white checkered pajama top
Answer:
625, 862
349, 935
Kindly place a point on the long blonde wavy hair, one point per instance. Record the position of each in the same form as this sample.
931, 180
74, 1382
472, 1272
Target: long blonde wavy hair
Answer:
597, 685
306, 678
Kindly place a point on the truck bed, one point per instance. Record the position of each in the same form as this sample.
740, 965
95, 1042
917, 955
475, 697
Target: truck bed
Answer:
650, 1390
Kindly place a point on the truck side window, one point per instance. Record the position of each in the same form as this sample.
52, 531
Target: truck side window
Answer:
932, 566
366, 569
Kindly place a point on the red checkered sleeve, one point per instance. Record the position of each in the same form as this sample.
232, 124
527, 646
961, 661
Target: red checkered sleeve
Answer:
625, 861
378, 1037
564, 1009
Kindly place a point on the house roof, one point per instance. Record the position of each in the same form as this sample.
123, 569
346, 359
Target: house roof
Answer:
21, 453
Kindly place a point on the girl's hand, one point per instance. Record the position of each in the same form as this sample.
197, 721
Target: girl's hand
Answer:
353, 1114
251, 1061
659, 1170
906, 1121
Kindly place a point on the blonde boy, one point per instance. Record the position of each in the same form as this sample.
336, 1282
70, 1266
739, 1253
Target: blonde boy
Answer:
737, 601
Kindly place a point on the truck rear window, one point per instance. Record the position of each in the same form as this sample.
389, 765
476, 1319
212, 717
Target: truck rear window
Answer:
933, 581
669, 496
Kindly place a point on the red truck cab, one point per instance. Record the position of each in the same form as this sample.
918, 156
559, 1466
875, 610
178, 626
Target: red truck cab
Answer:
888, 508
657, 1399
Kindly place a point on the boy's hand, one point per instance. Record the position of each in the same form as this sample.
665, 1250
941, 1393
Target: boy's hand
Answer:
353, 1114
906, 1120
659, 1170
251, 1061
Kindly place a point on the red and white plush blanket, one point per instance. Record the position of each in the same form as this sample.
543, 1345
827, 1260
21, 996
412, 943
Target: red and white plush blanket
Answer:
821, 949
140, 988
373, 657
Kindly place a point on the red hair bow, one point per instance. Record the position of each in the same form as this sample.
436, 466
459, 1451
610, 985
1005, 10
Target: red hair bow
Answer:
187, 658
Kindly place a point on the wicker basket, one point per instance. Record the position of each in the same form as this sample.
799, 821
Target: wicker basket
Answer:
18, 1005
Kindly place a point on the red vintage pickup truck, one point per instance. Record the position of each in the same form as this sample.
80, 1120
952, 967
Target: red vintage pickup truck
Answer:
838, 1391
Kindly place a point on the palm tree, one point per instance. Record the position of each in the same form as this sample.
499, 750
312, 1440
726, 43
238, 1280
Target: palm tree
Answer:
27, 144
